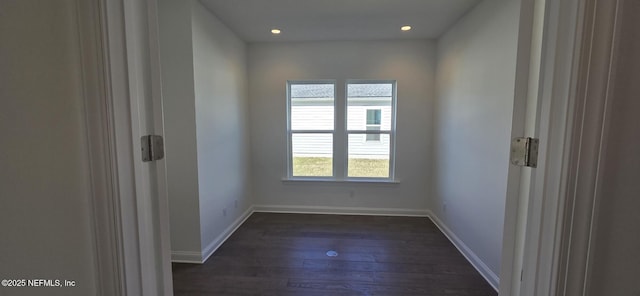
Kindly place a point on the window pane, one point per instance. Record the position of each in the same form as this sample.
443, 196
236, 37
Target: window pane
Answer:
368, 158
369, 104
374, 116
312, 155
312, 106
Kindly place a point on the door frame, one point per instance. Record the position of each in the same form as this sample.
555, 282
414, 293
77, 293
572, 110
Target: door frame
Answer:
574, 85
592, 115
107, 160
111, 105
130, 219
556, 107
530, 266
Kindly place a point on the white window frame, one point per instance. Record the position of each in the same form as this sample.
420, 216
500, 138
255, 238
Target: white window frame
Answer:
341, 133
391, 132
290, 131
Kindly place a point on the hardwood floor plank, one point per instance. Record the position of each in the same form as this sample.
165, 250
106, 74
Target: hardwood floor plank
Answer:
285, 254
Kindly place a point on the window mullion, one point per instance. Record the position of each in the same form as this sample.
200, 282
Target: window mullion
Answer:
340, 135
311, 131
289, 160
360, 132
392, 135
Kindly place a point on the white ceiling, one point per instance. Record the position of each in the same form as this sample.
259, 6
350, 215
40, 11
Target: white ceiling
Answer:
306, 20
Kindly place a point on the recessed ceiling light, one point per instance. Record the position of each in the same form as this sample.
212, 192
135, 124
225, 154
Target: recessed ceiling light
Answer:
405, 28
275, 31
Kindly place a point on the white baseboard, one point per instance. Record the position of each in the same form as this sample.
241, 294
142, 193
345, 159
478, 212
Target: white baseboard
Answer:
475, 261
341, 210
200, 258
218, 241
186, 257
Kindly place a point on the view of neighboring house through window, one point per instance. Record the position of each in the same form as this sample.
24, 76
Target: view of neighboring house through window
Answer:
311, 128
369, 128
367, 109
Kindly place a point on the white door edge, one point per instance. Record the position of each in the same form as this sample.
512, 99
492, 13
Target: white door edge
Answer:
164, 239
562, 72
131, 221
526, 81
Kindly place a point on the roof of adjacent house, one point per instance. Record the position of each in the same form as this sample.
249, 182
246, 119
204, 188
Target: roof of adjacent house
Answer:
354, 90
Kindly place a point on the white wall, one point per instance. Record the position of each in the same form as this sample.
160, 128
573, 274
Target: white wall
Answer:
222, 129
176, 56
476, 71
616, 264
206, 127
45, 188
411, 63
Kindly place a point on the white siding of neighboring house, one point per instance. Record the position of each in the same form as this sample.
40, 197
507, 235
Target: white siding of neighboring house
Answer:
312, 145
312, 114
321, 118
312, 118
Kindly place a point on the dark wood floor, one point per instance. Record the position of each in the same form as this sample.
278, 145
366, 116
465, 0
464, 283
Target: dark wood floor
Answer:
285, 254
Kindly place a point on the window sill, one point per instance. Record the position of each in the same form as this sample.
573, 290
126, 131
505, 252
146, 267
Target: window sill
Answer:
341, 181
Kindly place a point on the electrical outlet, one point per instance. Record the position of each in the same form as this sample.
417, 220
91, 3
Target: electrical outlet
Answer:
444, 207
224, 212
235, 203
352, 193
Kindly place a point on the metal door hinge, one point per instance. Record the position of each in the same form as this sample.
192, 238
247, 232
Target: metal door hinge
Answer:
524, 152
152, 148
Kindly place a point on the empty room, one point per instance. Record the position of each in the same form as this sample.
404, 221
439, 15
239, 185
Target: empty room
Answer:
352, 147
337, 147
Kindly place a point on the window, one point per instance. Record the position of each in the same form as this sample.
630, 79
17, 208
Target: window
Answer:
372, 157
361, 149
374, 118
311, 128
